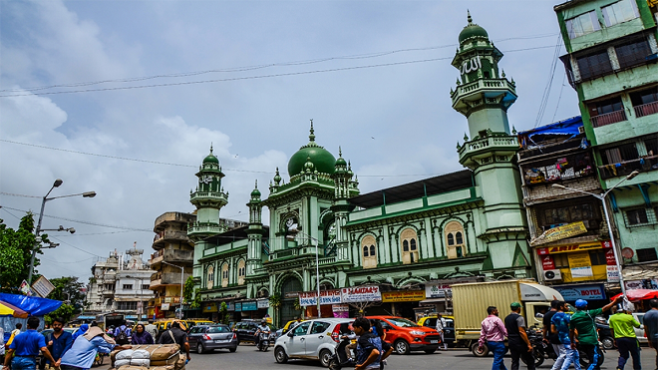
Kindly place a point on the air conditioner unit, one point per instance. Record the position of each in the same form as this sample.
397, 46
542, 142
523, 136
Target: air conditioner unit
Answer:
581, 129
552, 275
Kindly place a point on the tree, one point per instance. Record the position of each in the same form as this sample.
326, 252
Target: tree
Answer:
16, 251
65, 312
69, 289
223, 313
188, 289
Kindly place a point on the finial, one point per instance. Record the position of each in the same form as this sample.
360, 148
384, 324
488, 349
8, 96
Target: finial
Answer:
458, 144
312, 135
340, 151
210, 148
458, 82
513, 130
469, 18
349, 165
503, 74
256, 184
465, 137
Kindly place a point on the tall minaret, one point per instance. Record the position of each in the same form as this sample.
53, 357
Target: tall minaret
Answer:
483, 95
255, 234
208, 198
344, 188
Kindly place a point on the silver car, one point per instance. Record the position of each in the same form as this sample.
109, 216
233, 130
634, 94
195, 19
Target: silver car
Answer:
206, 338
311, 340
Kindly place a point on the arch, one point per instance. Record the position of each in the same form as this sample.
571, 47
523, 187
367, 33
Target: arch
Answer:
210, 277
369, 251
263, 292
225, 274
409, 245
454, 232
242, 271
410, 279
289, 283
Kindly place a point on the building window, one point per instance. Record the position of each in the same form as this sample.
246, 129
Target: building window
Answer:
225, 275
145, 286
645, 102
583, 24
210, 278
454, 232
640, 216
241, 272
646, 254
409, 239
594, 65
561, 261
622, 153
597, 257
126, 306
619, 12
369, 252
606, 112
566, 212
633, 53
127, 287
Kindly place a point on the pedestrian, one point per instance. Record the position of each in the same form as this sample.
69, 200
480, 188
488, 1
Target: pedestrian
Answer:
14, 333
2, 345
24, 348
81, 330
519, 344
141, 336
560, 326
60, 342
440, 325
651, 326
493, 332
387, 349
122, 334
582, 329
83, 352
550, 337
152, 329
369, 346
176, 335
622, 327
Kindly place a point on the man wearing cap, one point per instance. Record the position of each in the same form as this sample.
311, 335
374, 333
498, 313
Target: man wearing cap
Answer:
560, 326
519, 344
582, 322
622, 327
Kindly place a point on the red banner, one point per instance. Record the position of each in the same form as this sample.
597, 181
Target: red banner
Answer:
547, 263
610, 258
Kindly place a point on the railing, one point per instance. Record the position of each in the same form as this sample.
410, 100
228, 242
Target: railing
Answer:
499, 141
327, 260
156, 276
501, 83
609, 118
627, 167
283, 253
646, 109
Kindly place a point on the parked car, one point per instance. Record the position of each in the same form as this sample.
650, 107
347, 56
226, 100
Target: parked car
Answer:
206, 338
289, 325
448, 330
311, 340
247, 328
639, 332
407, 336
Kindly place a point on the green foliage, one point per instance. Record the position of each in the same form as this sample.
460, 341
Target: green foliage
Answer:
15, 253
275, 300
196, 302
297, 306
223, 313
69, 288
65, 311
188, 289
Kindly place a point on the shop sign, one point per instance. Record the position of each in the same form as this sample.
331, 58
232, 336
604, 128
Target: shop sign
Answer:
238, 306
341, 311
403, 296
560, 232
230, 306
263, 303
610, 259
291, 295
642, 284
572, 293
580, 265
437, 290
326, 297
360, 294
210, 307
547, 263
569, 248
165, 306
613, 274
249, 306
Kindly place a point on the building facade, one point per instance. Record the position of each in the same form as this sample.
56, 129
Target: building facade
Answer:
324, 234
611, 63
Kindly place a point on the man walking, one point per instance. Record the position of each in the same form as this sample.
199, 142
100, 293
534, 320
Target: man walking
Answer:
583, 328
152, 329
176, 335
560, 326
493, 333
550, 337
60, 341
440, 325
621, 326
519, 344
122, 334
26, 348
651, 326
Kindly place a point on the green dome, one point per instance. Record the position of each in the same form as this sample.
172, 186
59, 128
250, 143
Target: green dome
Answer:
472, 30
321, 158
340, 162
255, 193
211, 157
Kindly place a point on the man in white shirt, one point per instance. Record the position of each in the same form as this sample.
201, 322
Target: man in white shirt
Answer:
440, 324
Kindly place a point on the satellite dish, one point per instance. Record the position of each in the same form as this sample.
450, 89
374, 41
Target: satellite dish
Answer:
627, 253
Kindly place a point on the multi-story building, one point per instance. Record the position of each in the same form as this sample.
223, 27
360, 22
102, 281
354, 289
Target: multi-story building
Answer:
323, 234
612, 64
568, 232
102, 284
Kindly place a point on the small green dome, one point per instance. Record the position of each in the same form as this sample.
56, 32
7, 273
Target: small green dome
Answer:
340, 162
255, 193
211, 158
323, 161
472, 30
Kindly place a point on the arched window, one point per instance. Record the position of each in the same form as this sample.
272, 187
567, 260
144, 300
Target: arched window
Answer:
368, 244
225, 275
241, 272
409, 240
210, 277
454, 232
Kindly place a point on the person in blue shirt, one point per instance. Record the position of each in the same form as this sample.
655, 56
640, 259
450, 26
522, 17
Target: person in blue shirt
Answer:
84, 349
560, 325
81, 330
26, 346
368, 347
123, 329
60, 341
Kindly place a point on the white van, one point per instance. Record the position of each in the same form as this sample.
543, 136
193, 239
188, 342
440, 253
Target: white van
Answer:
311, 340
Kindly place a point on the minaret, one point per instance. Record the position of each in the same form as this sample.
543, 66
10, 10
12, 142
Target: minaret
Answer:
254, 234
208, 198
484, 95
344, 188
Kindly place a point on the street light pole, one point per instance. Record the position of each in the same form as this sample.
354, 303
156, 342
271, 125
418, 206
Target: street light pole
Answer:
316, 242
602, 197
182, 271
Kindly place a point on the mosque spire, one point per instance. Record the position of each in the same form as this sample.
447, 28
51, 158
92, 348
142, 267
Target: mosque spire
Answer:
311, 136
469, 18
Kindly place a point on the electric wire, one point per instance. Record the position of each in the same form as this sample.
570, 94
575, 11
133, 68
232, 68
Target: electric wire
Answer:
83, 222
547, 90
71, 245
559, 97
19, 195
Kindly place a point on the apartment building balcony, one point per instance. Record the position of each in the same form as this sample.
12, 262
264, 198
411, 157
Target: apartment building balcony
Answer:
107, 292
160, 279
646, 109
160, 239
176, 256
647, 163
608, 118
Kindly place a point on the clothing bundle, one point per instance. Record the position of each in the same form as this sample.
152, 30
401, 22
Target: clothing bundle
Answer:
149, 357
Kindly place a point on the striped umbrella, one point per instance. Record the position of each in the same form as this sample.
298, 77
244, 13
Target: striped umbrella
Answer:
7, 309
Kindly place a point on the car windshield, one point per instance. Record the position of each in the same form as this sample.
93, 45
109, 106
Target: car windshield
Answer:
403, 323
219, 329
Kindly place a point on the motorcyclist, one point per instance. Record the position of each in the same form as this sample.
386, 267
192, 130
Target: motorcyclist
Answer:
262, 328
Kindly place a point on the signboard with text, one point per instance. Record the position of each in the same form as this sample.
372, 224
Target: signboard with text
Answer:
570, 248
341, 311
580, 265
249, 306
360, 294
43, 286
613, 274
572, 293
403, 296
560, 232
263, 303
326, 297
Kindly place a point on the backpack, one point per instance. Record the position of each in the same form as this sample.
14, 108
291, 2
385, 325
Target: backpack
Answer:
122, 338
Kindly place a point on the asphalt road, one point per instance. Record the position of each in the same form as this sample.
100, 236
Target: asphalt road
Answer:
247, 358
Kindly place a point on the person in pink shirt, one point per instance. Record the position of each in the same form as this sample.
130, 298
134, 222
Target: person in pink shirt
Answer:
493, 332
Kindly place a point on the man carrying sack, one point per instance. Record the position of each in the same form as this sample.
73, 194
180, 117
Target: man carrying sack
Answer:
176, 335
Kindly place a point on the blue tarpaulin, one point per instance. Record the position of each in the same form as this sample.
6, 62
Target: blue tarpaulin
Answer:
35, 306
566, 127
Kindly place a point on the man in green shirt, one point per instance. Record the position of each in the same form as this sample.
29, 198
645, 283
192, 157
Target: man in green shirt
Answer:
622, 327
583, 327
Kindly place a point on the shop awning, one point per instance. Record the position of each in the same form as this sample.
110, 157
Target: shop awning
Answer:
639, 294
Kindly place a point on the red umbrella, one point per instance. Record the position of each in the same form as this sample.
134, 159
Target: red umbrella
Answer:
639, 294
7, 309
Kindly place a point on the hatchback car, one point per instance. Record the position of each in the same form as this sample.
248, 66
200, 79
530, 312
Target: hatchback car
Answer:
206, 338
246, 330
448, 329
407, 336
311, 340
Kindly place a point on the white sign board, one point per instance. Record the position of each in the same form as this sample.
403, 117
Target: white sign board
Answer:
165, 306
263, 303
613, 274
326, 297
360, 294
43, 286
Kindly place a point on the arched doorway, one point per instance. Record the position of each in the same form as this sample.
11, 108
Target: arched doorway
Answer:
288, 312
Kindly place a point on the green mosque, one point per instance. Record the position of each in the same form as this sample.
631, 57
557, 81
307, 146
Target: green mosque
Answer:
407, 238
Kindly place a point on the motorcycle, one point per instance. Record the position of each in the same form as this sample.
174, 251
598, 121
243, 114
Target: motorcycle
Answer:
264, 341
339, 359
542, 351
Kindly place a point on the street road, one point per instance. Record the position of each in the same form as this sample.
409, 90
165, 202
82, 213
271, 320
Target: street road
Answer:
247, 358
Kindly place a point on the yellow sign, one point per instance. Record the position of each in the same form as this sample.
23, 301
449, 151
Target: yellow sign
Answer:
580, 265
560, 232
403, 296
210, 307
569, 248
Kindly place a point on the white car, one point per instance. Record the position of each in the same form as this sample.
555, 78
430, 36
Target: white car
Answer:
639, 332
311, 340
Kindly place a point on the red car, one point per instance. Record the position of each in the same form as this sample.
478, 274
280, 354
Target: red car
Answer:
406, 336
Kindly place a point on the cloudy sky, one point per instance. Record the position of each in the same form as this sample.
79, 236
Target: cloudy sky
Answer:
159, 81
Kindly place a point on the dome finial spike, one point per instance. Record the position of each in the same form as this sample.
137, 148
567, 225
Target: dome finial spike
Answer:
256, 184
311, 136
340, 151
469, 18
211, 148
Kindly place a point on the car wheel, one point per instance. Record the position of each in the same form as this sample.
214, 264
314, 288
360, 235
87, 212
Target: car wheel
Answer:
325, 357
280, 355
232, 349
430, 351
334, 365
608, 343
401, 347
199, 348
477, 352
